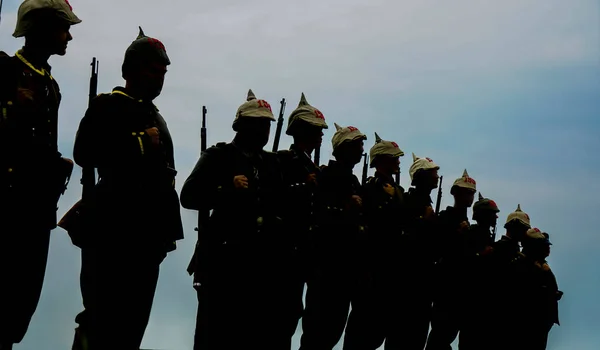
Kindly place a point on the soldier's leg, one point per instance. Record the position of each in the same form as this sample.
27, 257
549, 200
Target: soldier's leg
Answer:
412, 321
23, 258
444, 324
365, 329
326, 312
124, 287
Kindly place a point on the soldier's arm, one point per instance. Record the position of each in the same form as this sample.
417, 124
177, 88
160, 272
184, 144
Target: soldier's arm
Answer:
87, 140
202, 189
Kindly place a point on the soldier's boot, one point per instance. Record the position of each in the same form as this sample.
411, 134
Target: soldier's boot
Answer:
80, 341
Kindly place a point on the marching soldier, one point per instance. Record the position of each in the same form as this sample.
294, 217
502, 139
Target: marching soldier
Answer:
375, 304
504, 269
340, 227
134, 215
33, 175
419, 253
475, 329
305, 125
539, 294
244, 288
450, 278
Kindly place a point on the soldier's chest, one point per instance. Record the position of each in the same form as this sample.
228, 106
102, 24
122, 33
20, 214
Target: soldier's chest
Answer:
36, 97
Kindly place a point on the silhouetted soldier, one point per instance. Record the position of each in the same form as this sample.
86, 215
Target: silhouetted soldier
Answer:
134, 216
375, 314
505, 284
244, 285
450, 276
305, 125
418, 256
33, 175
340, 226
475, 331
538, 290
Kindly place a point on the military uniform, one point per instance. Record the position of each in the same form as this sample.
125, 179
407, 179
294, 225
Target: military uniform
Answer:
504, 263
33, 175
374, 313
299, 172
450, 278
476, 326
419, 252
132, 217
244, 258
339, 227
538, 291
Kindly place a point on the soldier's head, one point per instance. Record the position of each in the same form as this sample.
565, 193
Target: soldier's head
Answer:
385, 156
424, 173
517, 224
305, 125
348, 144
463, 190
145, 66
536, 244
46, 24
252, 122
485, 212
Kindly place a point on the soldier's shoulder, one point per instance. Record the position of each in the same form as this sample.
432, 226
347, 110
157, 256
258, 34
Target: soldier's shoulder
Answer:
218, 149
285, 154
7, 62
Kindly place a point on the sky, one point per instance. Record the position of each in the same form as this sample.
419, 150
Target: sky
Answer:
509, 90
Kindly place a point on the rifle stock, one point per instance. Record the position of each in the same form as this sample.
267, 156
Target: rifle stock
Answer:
279, 125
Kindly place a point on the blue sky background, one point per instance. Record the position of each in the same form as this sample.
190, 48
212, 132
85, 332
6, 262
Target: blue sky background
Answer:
509, 90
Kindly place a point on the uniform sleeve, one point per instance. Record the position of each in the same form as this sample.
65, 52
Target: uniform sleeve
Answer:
204, 188
86, 151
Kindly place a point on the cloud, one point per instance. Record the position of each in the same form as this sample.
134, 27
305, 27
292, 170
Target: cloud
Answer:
507, 89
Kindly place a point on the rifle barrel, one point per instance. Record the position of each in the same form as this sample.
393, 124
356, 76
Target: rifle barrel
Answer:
203, 130
439, 196
317, 159
279, 125
365, 169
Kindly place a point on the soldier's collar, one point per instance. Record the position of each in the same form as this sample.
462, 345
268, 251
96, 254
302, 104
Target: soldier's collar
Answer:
41, 71
121, 91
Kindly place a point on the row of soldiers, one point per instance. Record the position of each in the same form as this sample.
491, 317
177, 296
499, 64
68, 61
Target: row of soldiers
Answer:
378, 261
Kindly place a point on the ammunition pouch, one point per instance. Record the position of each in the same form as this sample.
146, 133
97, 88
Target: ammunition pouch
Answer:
62, 177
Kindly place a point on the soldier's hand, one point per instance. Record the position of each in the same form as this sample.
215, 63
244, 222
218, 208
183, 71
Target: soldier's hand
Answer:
389, 189
312, 179
154, 135
429, 213
240, 181
25, 96
488, 250
356, 201
463, 226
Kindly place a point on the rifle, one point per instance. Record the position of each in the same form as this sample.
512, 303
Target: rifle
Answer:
494, 234
279, 126
88, 175
203, 216
317, 158
439, 197
203, 131
365, 169
0, 11
398, 178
